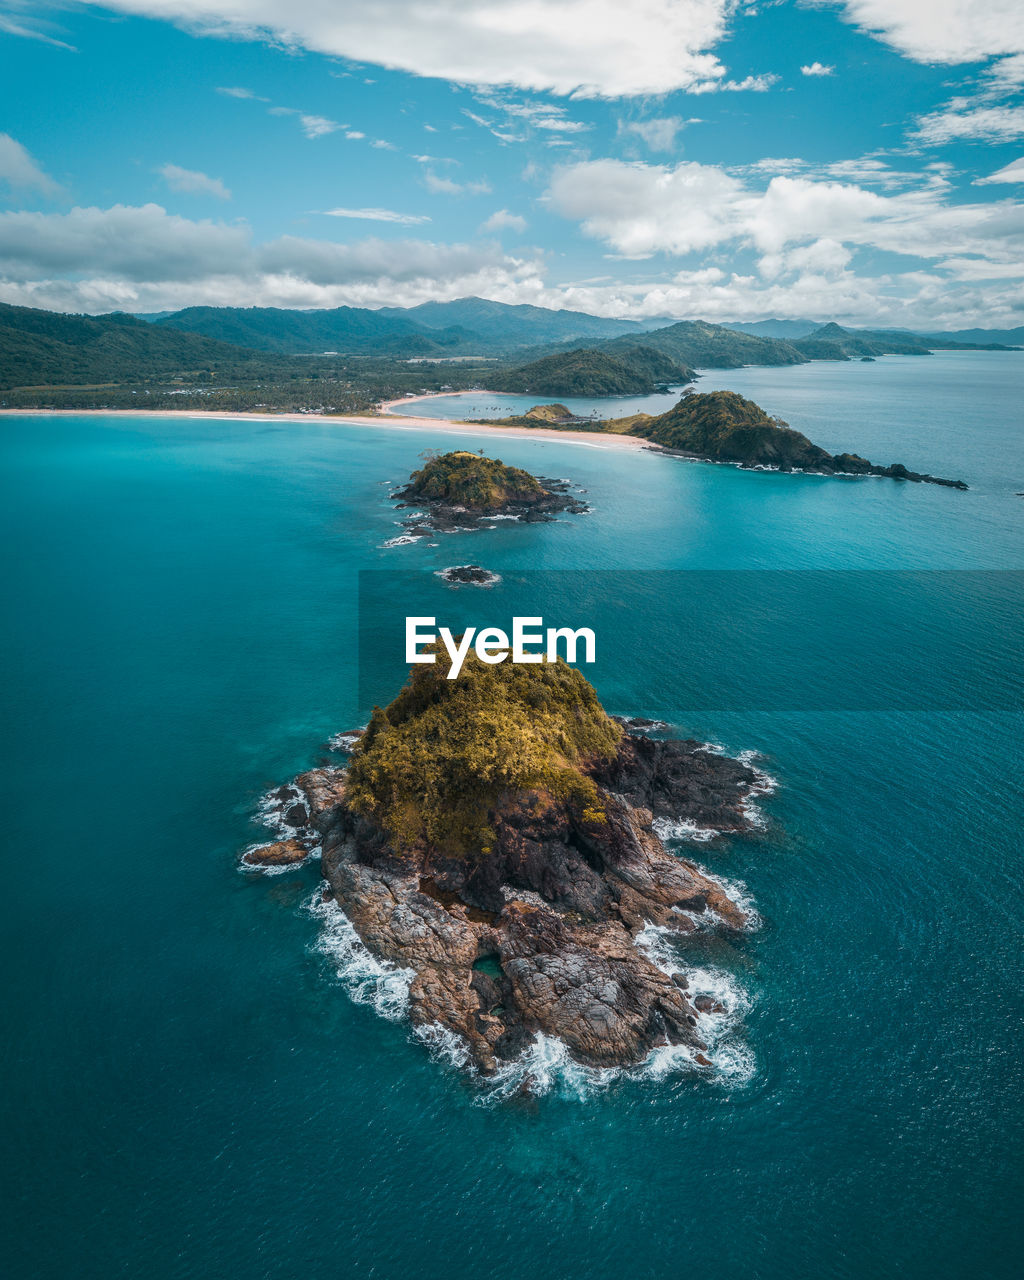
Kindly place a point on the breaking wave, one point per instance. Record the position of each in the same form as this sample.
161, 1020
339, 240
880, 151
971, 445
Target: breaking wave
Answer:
367, 980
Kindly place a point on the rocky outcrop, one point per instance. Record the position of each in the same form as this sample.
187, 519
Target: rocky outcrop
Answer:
463, 490
721, 426
468, 575
496, 837
538, 934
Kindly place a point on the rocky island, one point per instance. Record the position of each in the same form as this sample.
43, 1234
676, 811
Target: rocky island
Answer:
496, 838
721, 426
463, 490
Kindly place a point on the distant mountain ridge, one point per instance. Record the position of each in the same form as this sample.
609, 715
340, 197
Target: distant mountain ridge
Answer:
473, 326
518, 324
700, 345
482, 327
346, 330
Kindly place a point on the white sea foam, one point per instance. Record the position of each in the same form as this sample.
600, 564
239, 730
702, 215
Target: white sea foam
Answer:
403, 540
272, 810
732, 1060
547, 1067
344, 741
269, 869
683, 829
383, 986
764, 783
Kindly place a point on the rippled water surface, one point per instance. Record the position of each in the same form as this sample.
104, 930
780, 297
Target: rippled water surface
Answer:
191, 1088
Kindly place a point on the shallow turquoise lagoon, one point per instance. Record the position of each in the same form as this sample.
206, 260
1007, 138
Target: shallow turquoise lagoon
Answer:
190, 1089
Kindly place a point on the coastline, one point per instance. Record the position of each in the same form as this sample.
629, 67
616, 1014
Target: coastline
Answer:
393, 422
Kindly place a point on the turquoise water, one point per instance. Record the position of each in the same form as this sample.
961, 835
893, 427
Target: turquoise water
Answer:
190, 1091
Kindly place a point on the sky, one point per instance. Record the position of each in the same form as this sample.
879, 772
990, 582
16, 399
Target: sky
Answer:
856, 160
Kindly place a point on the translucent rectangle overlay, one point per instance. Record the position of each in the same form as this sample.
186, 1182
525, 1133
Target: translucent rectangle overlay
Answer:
674, 641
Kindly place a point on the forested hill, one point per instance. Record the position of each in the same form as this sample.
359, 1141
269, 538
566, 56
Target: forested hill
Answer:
833, 342
700, 345
346, 330
46, 348
712, 346
634, 369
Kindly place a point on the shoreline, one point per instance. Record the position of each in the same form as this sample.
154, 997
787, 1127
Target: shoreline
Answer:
385, 421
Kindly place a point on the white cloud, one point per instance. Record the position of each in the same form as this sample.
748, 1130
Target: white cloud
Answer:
534, 115
752, 84
658, 133
144, 259
962, 119
448, 187
236, 91
33, 28
312, 126
940, 31
192, 182
593, 48
382, 144
1012, 172
18, 169
817, 69
378, 215
639, 210
502, 220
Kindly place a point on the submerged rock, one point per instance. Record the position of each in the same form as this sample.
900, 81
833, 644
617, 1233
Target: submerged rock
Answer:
281, 853
473, 575
494, 835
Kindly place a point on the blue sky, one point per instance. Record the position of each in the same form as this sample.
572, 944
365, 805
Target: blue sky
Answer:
859, 160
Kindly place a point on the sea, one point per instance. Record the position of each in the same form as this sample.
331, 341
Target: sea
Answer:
206, 1075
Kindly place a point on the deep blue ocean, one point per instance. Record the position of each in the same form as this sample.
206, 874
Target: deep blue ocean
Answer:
197, 1077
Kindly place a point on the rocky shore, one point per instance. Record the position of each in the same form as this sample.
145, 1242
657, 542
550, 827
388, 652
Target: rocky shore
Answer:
528, 921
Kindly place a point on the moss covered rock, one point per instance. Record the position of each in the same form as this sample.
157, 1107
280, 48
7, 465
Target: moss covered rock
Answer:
433, 765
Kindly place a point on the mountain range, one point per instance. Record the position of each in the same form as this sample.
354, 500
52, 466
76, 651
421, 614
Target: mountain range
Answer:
467, 326
508, 347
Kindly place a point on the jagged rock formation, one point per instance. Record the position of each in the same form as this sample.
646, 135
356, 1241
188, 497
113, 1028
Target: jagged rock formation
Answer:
495, 835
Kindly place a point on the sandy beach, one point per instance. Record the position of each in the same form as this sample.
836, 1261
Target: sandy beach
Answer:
385, 421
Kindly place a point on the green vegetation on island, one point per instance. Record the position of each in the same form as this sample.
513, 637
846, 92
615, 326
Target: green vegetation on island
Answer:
472, 481
722, 426
432, 765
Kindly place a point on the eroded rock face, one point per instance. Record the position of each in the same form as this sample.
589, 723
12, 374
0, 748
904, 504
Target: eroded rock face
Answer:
538, 933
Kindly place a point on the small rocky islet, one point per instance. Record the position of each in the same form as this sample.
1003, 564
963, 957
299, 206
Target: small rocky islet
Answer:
462, 490
496, 837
